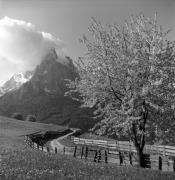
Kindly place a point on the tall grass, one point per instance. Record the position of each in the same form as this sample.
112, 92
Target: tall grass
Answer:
25, 163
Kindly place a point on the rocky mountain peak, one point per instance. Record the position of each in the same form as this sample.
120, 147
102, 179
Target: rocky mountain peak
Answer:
50, 75
42, 94
50, 56
15, 82
19, 78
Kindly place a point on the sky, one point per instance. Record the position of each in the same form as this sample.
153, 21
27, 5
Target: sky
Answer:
29, 28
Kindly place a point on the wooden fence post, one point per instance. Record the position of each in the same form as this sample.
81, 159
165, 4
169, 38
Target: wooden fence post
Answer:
160, 163
121, 158
82, 150
174, 164
99, 156
86, 153
75, 150
95, 157
64, 150
42, 147
37, 146
106, 157
55, 150
47, 149
130, 158
147, 161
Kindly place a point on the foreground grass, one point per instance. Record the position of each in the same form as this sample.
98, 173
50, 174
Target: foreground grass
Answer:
18, 162
36, 165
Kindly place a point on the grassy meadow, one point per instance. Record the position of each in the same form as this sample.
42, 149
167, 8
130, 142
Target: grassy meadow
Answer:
19, 162
12, 131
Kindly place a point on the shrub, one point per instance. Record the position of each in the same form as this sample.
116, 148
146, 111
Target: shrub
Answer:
31, 118
17, 115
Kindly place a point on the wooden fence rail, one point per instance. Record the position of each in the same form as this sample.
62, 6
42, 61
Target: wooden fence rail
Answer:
122, 153
126, 146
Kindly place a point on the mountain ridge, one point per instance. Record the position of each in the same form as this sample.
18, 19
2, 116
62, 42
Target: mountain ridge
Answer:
15, 82
43, 96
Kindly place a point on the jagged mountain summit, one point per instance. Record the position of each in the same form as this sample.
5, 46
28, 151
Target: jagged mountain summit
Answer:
44, 75
15, 82
50, 75
43, 95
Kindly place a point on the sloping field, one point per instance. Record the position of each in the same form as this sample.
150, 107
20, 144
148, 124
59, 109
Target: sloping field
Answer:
12, 131
20, 162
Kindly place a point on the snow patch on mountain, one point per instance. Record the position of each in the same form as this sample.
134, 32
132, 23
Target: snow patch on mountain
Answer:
20, 78
16, 81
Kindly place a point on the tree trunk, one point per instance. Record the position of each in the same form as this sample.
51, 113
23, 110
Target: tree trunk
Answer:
139, 139
141, 158
139, 142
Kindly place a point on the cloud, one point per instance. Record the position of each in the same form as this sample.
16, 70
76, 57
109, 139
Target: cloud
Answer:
22, 46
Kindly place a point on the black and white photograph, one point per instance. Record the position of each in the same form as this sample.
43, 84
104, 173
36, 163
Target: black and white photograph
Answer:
87, 89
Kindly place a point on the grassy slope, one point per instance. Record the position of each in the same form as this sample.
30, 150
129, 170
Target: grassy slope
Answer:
12, 131
20, 162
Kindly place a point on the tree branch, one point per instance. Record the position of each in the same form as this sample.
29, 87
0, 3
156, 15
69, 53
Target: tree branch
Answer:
110, 82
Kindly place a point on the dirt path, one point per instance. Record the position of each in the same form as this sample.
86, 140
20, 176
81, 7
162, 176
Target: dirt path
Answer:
56, 144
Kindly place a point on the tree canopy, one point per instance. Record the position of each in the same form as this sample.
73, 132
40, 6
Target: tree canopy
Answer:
128, 72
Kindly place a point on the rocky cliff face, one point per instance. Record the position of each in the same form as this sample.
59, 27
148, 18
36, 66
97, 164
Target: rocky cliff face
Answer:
50, 75
43, 95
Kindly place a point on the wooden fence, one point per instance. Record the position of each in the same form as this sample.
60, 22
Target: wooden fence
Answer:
126, 146
124, 152
121, 153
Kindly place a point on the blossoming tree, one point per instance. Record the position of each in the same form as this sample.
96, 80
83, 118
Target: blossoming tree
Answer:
127, 72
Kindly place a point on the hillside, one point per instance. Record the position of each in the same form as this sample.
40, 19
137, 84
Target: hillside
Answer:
43, 95
12, 131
